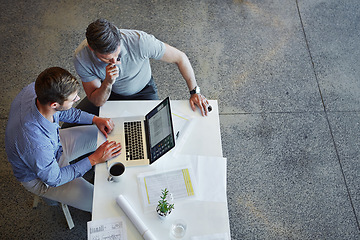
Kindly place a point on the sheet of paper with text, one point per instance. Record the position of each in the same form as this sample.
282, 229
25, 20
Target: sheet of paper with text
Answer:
180, 184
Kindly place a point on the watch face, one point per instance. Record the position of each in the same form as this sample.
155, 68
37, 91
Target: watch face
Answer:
195, 90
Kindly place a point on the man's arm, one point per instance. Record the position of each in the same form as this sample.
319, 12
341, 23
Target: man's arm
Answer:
173, 55
99, 92
44, 164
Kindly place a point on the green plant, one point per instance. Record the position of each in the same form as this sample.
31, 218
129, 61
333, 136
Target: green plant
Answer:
164, 206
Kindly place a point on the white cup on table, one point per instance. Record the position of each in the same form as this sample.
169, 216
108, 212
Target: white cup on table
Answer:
116, 171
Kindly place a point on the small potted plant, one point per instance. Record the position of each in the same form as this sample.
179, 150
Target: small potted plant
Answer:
164, 208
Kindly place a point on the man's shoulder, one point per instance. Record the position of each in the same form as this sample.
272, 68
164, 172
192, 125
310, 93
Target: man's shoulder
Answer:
128, 33
23, 117
22, 102
85, 63
134, 36
28, 91
144, 42
82, 50
25, 133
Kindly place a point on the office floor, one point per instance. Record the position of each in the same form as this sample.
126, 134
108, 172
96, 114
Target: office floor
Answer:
286, 77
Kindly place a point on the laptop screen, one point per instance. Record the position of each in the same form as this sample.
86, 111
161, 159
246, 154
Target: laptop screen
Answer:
160, 130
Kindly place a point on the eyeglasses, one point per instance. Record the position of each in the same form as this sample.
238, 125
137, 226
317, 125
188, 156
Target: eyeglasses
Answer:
119, 56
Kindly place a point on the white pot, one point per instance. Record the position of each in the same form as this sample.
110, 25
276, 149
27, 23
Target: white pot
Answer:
162, 215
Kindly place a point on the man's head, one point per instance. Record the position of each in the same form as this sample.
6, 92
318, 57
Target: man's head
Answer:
56, 85
103, 37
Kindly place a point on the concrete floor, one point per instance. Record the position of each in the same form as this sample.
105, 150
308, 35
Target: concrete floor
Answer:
285, 74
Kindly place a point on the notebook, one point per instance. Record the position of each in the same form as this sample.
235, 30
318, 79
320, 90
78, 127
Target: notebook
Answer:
144, 139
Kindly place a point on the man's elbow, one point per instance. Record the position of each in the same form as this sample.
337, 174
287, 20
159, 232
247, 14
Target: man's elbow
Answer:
181, 59
99, 104
51, 183
96, 101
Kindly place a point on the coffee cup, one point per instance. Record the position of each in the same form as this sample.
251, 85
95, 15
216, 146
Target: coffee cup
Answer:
115, 170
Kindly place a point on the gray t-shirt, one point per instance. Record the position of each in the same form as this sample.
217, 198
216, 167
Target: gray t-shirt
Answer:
136, 49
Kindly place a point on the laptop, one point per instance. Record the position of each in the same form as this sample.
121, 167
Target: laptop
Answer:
144, 139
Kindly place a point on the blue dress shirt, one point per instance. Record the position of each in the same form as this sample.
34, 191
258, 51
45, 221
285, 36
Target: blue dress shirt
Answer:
33, 145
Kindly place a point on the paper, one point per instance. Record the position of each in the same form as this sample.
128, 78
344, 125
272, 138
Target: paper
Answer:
209, 175
112, 228
180, 183
182, 128
212, 182
134, 218
179, 120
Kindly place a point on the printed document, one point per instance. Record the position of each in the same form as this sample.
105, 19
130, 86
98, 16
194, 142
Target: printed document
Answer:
107, 229
180, 184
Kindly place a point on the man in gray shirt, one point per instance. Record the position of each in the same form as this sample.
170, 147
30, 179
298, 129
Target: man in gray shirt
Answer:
114, 64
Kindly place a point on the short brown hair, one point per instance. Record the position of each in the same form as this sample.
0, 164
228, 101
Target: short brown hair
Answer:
55, 84
102, 36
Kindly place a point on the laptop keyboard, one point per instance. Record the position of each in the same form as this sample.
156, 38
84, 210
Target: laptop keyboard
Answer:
133, 140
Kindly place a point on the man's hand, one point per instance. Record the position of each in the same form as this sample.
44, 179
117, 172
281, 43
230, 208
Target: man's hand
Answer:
106, 151
105, 125
112, 72
200, 101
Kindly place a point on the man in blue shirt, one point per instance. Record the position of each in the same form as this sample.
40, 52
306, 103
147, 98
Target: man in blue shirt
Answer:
40, 153
114, 64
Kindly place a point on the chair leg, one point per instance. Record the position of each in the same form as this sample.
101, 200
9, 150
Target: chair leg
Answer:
36, 201
64, 208
67, 215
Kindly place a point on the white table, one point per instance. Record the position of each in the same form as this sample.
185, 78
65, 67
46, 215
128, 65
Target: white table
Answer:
202, 217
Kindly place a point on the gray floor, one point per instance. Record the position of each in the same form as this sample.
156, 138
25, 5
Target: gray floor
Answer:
285, 74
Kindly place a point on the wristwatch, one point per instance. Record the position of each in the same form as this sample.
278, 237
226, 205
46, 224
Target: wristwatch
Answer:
195, 90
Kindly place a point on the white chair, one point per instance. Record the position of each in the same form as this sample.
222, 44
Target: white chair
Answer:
64, 208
